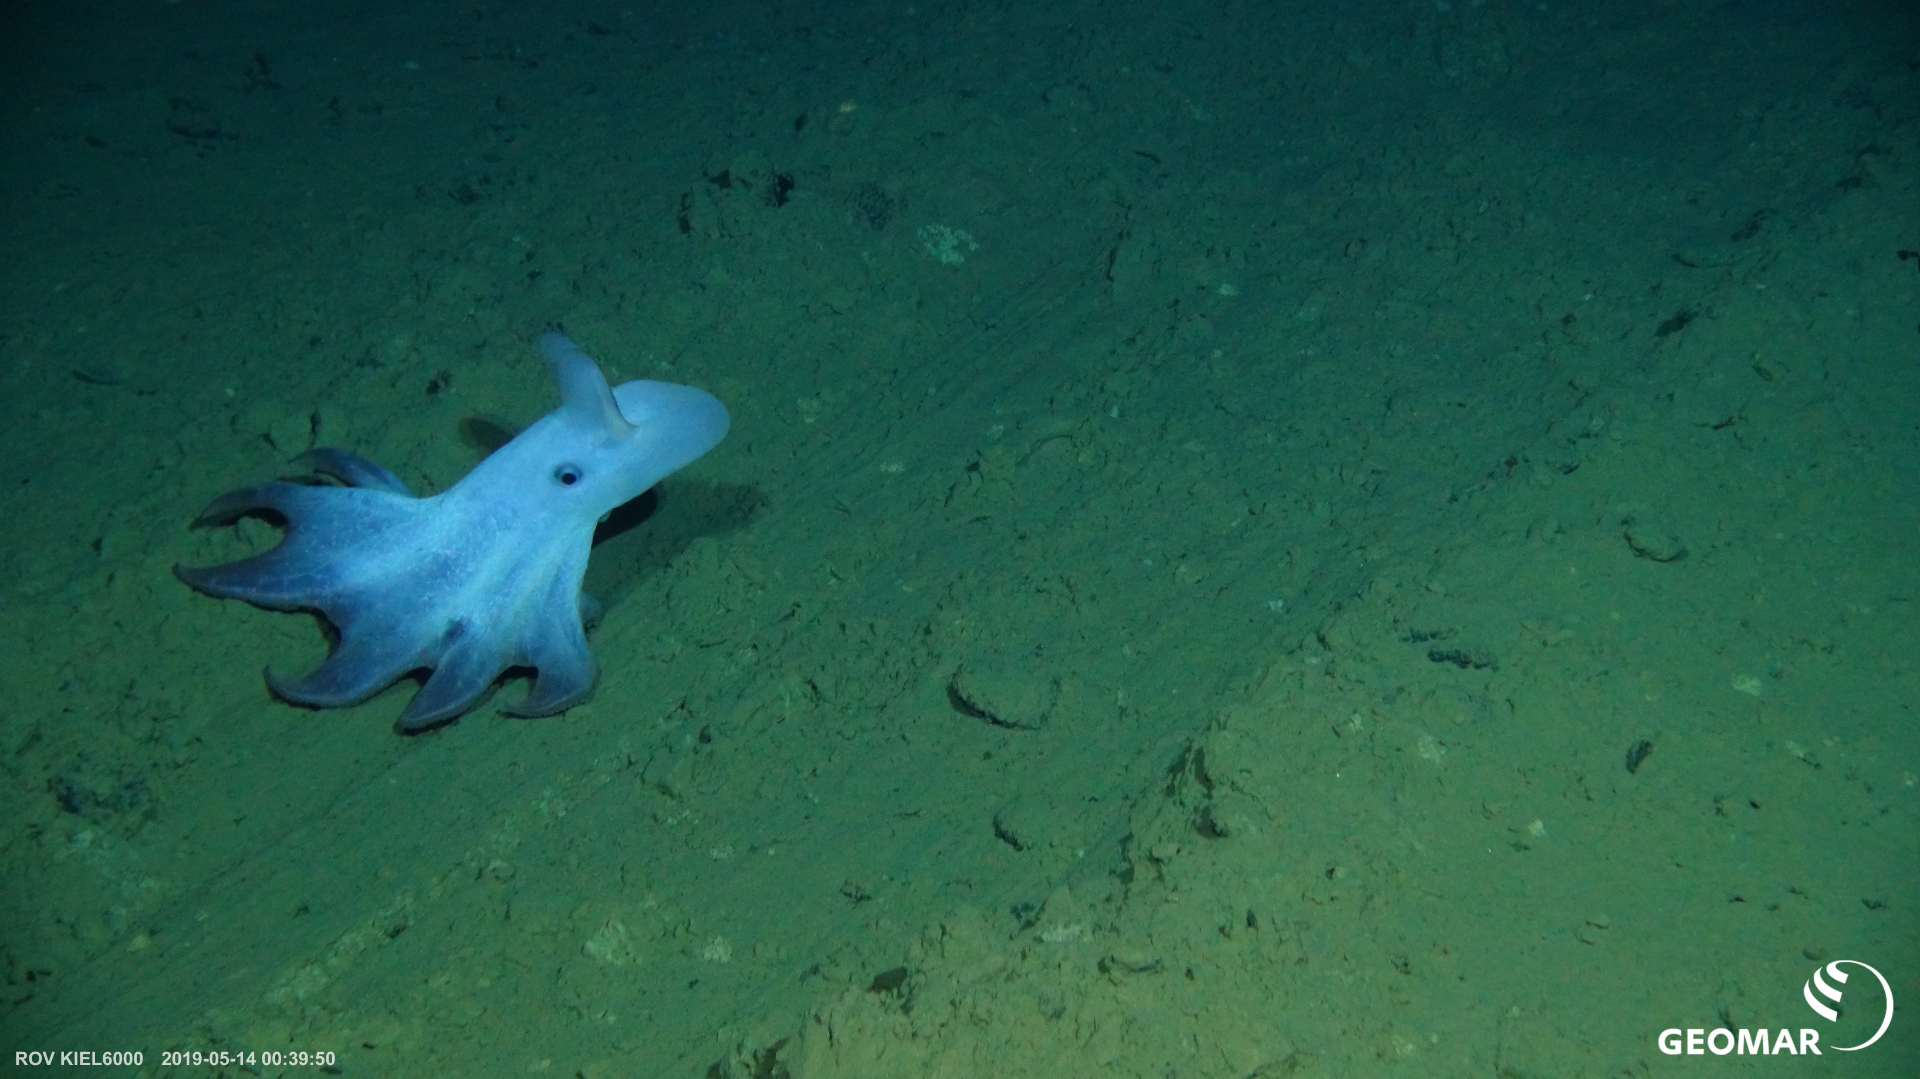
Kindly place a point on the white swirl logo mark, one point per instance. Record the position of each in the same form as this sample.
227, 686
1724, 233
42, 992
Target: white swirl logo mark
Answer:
1819, 984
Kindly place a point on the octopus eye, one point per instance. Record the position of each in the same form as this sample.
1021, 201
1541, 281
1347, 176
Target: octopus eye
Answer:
568, 475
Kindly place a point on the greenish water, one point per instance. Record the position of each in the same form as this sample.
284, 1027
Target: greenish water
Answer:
1256, 539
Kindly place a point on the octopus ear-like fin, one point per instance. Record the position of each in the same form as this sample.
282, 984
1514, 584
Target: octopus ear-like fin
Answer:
585, 398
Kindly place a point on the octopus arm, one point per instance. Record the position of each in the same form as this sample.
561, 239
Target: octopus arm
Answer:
318, 561
465, 669
360, 667
352, 469
557, 648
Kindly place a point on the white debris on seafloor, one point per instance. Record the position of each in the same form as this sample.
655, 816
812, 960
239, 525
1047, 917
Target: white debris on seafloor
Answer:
948, 246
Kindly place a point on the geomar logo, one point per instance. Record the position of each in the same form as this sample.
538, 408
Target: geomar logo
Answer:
1825, 982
